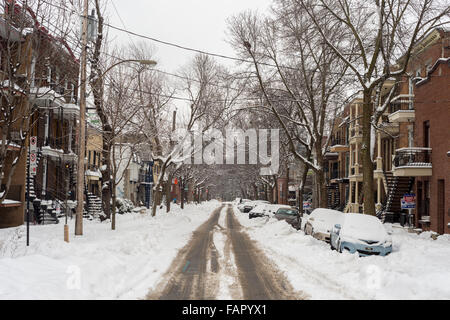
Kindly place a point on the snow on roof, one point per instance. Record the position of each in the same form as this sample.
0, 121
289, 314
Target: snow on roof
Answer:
93, 173
432, 69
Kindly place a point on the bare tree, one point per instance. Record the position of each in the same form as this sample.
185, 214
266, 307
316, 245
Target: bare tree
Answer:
382, 31
121, 106
207, 106
299, 78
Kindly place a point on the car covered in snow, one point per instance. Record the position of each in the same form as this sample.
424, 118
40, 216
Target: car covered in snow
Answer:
361, 233
266, 210
320, 222
242, 203
290, 215
248, 206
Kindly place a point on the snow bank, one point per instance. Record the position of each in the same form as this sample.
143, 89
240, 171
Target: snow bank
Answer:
101, 264
418, 267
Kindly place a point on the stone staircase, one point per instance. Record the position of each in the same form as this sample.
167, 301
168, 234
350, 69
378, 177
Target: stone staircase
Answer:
94, 205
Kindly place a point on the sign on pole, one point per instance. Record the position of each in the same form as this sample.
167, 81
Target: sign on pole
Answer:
33, 155
408, 201
306, 205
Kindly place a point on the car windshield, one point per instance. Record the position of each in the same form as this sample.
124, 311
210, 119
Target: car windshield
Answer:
291, 212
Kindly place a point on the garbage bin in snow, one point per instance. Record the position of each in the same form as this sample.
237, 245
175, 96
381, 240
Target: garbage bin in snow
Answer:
403, 219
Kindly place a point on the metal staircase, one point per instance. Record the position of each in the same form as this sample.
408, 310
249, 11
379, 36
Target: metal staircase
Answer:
396, 188
333, 196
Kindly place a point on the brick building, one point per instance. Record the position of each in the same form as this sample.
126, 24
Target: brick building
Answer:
413, 128
51, 116
432, 133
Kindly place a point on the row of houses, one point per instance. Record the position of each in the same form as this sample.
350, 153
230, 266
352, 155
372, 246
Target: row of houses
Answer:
40, 97
412, 146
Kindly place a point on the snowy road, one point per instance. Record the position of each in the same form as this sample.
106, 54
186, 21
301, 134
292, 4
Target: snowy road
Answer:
221, 262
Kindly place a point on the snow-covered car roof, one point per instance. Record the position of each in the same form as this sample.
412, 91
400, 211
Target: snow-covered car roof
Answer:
363, 227
323, 219
258, 209
275, 207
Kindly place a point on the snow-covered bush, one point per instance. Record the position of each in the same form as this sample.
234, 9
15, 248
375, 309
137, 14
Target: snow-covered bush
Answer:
124, 206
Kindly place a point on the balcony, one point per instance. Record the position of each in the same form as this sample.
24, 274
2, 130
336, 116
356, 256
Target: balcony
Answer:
93, 173
402, 109
412, 162
46, 97
338, 145
402, 116
355, 134
387, 128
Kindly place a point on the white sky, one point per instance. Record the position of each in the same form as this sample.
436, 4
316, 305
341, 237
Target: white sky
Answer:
199, 24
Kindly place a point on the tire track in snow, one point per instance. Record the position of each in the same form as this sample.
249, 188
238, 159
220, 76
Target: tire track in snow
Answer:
259, 278
190, 275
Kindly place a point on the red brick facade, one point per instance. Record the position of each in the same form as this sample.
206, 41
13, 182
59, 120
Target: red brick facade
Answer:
433, 105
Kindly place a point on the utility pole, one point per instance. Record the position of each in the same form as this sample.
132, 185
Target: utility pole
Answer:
81, 141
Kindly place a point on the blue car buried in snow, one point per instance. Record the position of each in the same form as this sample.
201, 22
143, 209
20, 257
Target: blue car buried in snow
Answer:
361, 233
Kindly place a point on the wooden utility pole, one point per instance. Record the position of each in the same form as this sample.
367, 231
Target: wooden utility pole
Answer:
81, 141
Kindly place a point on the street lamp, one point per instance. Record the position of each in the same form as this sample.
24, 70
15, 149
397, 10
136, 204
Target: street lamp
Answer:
140, 61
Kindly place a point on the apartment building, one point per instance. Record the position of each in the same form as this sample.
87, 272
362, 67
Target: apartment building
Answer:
51, 103
94, 148
414, 127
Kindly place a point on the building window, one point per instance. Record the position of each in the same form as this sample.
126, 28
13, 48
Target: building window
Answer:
426, 134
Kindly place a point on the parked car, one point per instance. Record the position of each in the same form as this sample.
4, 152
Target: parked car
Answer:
266, 210
321, 221
248, 206
290, 215
273, 208
361, 233
242, 204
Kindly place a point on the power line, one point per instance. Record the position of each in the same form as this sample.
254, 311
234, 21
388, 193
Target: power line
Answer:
218, 55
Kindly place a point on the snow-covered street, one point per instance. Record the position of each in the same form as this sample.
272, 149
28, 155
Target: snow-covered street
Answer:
418, 267
133, 261
102, 264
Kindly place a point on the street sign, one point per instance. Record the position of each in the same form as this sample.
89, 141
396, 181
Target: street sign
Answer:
33, 155
33, 144
408, 201
306, 205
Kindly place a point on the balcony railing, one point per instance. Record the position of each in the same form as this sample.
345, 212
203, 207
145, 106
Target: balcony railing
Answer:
338, 141
413, 157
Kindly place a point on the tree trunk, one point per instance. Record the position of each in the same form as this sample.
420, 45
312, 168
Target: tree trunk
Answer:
113, 215
182, 194
168, 194
368, 187
106, 179
302, 189
275, 194
321, 189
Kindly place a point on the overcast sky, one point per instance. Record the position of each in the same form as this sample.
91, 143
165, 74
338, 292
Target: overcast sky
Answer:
199, 24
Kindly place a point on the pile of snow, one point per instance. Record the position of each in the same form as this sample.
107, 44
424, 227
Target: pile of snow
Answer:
101, 264
418, 267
